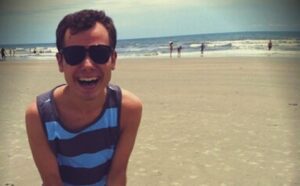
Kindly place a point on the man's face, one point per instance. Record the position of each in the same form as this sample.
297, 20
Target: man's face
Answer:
88, 79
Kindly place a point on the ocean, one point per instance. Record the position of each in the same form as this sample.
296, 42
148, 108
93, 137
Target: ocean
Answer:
246, 44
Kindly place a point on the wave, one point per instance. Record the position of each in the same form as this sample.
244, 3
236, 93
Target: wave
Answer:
195, 45
245, 43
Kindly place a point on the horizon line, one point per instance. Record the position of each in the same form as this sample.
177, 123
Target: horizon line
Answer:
166, 36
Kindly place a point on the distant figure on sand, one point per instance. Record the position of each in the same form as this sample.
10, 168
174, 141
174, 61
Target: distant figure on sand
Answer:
179, 51
3, 54
270, 45
202, 47
171, 48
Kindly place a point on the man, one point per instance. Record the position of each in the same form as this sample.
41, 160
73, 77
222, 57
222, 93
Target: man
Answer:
270, 45
202, 47
3, 54
83, 132
171, 48
179, 51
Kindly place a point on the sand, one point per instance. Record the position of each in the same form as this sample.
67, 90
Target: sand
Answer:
206, 121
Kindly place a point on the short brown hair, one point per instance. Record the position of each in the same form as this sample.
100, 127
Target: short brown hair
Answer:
83, 20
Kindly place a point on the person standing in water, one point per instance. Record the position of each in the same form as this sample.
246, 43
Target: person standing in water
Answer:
3, 54
270, 45
202, 47
171, 48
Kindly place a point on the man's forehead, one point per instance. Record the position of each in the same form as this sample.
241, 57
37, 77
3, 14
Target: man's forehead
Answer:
98, 33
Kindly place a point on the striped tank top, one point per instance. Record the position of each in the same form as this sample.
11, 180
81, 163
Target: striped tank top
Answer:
84, 157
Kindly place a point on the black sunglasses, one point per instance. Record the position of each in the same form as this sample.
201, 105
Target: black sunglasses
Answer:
74, 55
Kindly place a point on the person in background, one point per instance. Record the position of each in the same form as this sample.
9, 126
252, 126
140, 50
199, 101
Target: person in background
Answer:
270, 45
179, 48
83, 132
171, 48
3, 54
202, 46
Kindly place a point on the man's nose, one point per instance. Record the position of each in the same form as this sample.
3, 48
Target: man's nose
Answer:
87, 61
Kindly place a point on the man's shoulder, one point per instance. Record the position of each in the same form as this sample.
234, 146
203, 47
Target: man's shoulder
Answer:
132, 107
31, 108
130, 99
32, 114
41, 106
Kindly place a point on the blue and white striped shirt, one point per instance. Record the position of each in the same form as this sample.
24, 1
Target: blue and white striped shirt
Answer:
84, 157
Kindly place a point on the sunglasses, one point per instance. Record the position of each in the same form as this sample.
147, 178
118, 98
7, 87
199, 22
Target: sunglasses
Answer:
74, 55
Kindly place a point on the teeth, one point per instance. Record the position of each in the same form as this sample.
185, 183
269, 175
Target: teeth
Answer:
88, 79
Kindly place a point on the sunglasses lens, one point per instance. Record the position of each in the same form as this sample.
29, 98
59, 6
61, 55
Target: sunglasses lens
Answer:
74, 54
100, 54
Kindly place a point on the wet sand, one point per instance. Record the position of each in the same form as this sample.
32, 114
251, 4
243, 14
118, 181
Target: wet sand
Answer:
206, 121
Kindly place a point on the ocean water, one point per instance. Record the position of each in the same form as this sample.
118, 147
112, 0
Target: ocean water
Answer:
285, 44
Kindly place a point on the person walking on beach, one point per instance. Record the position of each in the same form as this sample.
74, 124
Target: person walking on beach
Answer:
3, 54
270, 45
202, 46
171, 48
83, 132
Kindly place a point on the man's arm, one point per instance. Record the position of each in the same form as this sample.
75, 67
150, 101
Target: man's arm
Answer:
42, 154
131, 113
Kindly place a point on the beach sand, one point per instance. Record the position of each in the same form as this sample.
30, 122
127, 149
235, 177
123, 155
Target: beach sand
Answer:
206, 121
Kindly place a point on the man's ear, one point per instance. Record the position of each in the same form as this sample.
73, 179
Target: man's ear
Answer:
113, 60
60, 62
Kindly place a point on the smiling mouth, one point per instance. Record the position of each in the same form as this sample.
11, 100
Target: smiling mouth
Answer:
88, 82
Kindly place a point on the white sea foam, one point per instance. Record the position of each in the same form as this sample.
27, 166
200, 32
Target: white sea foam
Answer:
224, 44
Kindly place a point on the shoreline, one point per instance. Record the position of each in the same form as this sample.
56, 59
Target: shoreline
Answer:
154, 58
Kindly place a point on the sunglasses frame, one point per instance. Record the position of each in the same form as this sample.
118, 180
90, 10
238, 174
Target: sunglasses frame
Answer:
70, 56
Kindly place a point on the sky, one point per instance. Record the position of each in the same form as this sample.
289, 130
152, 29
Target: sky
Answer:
35, 21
